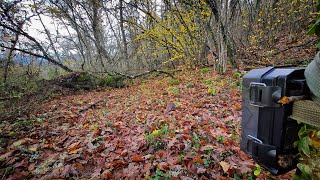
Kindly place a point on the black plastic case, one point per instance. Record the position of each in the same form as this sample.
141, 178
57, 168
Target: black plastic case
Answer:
268, 132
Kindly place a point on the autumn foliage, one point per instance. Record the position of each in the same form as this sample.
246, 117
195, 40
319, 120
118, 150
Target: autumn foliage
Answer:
160, 128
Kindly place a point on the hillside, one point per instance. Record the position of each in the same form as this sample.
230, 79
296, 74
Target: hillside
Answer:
187, 128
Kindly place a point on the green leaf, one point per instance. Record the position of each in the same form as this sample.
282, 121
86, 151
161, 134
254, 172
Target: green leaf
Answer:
302, 132
304, 145
318, 134
313, 28
257, 166
257, 172
318, 45
305, 169
236, 177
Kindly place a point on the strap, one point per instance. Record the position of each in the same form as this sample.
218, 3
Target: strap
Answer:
306, 111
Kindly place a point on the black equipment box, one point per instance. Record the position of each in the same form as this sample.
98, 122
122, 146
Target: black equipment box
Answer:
268, 132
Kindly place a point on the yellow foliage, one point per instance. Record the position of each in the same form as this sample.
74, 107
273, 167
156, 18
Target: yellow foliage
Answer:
156, 132
178, 37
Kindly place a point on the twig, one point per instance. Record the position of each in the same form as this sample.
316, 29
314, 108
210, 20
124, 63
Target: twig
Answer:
8, 98
287, 100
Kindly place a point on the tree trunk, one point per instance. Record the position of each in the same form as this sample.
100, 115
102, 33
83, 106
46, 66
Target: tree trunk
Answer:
123, 33
9, 58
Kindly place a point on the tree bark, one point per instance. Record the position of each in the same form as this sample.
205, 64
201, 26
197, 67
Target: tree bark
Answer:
123, 33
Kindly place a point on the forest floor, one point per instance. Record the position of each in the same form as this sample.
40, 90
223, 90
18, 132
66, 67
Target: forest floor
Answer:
156, 128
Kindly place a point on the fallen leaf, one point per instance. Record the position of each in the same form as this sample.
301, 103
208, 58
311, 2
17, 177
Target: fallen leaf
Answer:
74, 146
6, 155
163, 166
119, 163
79, 167
90, 146
133, 171
207, 147
284, 100
197, 160
201, 170
156, 132
225, 166
34, 147
237, 107
124, 152
136, 158
19, 143
31, 167
106, 174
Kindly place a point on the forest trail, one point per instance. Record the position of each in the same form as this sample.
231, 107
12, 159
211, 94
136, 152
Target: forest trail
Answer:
160, 128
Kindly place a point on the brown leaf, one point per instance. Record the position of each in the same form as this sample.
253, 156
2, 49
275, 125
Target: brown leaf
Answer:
284, 100
136, 158
31, 167
207, 147
163, 166
133, 171
191, 167
119, 163
197, 160
124, 152
74, 146
66, 171
201, 170
72, 157
225, 166
237, 107
106, 174
79, 167
22, 163
19, 143
90, 146
75, 151
6, 155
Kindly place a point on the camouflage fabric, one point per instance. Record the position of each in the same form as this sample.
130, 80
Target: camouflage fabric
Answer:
307, 111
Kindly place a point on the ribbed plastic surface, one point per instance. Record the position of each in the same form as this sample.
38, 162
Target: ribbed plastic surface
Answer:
307, 112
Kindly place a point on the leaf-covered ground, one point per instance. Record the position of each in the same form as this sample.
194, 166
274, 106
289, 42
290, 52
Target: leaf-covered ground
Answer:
160, 128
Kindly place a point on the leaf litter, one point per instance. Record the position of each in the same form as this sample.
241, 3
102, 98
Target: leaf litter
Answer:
151, 129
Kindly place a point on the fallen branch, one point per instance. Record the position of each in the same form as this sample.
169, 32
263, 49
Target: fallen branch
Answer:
8, 98
290, 47
144, 73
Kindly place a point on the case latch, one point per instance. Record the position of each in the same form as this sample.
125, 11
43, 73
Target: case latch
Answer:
261, 95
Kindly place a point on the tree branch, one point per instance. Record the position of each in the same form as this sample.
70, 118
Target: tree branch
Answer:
144, 73
45, 55
290, 47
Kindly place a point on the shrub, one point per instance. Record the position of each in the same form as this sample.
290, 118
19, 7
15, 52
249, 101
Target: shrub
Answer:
173, 82
173, 90
205, 70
